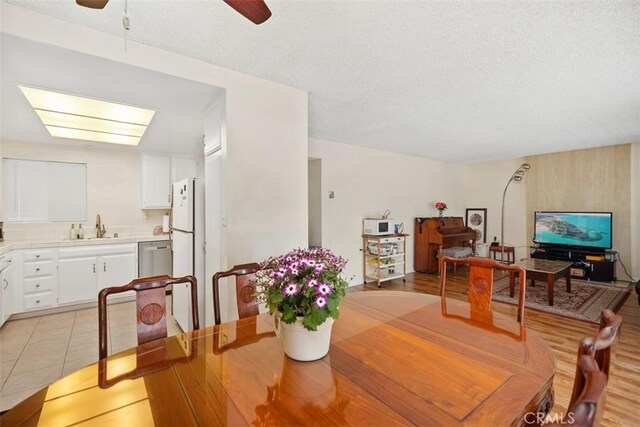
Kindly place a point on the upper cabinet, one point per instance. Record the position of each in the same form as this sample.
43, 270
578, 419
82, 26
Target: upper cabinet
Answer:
156, 181
183, 168
214, 129
159, 171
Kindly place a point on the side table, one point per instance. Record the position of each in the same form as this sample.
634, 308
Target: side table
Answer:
509, 251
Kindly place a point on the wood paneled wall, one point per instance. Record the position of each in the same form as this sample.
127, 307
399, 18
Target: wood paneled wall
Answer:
597, 180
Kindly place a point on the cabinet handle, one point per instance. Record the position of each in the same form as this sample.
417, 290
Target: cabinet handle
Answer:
37, 256
94, 268
38, 285
38, 269
104, 266
38, 302
5, 283
168, 197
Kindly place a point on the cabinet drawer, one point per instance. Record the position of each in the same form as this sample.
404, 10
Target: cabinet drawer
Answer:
32, 269
39, 284
391, 239
38, 255
41, 300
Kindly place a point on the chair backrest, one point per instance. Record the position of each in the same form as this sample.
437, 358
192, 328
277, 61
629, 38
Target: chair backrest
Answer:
481, 280
589, 405
598, 347
151, 311
245, 290
610, 328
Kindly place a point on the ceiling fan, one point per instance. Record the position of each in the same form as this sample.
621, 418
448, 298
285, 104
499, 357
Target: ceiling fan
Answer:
255, 11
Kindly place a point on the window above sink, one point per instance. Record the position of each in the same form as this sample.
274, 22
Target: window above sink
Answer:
34, 190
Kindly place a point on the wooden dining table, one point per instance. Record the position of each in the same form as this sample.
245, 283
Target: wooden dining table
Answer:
396, 358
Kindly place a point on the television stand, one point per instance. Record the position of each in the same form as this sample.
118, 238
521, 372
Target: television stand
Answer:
596, 265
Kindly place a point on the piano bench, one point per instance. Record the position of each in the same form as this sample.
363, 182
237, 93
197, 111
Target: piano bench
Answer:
457, 252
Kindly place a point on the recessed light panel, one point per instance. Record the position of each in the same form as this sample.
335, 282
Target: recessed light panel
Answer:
76, 117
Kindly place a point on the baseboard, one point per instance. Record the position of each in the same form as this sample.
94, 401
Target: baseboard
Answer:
64, 309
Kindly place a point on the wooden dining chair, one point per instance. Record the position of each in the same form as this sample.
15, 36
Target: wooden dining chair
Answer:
151, 310
481, 281
598, 347
587, 409
245, 290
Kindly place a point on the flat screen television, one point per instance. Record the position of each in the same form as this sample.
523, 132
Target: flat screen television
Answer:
592, 230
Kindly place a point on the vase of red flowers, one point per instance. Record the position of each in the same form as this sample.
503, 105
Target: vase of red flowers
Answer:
441, 207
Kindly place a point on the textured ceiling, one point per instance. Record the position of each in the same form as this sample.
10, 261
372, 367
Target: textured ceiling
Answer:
465, 81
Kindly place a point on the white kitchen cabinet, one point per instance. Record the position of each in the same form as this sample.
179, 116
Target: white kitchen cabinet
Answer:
6, 294
156, 181
83, 271
183, 168
77, 279
39, 277
117, 270
159, 171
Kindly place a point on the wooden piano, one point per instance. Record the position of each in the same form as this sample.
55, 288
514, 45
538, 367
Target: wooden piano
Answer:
434, 234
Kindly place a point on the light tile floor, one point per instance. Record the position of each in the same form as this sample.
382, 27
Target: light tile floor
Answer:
37, 351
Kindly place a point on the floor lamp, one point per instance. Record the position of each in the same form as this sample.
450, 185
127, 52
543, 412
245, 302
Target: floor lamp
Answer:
517, 176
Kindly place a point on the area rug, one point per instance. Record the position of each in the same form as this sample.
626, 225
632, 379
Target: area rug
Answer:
585, 302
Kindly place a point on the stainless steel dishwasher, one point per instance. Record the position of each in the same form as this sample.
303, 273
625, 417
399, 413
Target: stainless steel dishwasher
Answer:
154, 258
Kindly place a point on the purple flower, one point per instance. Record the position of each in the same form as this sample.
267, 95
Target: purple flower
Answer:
312, 283
321, 301
323, 288
291, 289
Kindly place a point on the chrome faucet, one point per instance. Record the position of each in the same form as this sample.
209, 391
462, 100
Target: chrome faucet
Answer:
100, 230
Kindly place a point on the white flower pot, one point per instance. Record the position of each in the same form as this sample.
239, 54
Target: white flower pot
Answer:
302, 344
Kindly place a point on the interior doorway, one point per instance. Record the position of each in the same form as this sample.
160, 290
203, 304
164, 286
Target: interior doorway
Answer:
315, 202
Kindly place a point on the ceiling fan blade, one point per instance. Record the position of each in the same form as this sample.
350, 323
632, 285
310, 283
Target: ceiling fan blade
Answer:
255, 11
93, 4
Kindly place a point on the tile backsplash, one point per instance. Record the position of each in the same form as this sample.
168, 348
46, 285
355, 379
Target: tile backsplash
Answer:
61, 230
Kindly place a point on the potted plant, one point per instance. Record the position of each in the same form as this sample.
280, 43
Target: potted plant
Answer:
303, 290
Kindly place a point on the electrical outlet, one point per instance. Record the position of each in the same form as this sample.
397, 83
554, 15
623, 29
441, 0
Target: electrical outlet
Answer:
331, 194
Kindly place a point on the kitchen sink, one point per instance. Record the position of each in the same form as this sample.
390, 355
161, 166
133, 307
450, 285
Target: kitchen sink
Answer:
99, 238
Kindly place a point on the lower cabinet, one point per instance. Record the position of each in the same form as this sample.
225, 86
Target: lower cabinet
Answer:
39, 278
77, 279
6, 294
52, 277
117, 269
84, 271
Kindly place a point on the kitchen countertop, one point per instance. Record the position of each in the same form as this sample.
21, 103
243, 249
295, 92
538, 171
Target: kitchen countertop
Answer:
8, 246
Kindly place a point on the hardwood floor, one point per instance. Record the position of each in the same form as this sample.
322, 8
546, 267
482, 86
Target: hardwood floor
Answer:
562, 335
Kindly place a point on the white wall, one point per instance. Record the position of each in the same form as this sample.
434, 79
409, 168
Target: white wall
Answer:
315, 202
367, 182
266, 147
266, 169
634, 263
484, 187
113, 190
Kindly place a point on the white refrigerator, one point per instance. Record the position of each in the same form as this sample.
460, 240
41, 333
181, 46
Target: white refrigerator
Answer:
187, 235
